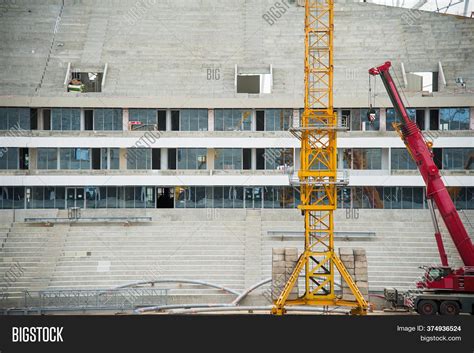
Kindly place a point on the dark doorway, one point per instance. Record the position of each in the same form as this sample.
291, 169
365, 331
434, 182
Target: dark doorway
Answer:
247, 158
34, 119
260, 158
260, 120
175, 120
88, 120
96, 158
47, 119
438, 157
162, 120
420, 119
172, 158
155, 158
434, 119
164, 197
24, 161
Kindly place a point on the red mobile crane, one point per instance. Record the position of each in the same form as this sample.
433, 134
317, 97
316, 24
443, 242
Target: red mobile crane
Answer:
444, 289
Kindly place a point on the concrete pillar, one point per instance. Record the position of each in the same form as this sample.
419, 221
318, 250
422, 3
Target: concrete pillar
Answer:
210, 120
125, 117
253, 159
340, 159
33, 158
123, 159
383, 119
40, 119
297, 161
83, 120
164, 158
253, 120
168, 119
296, 118
210, 158
427, 119
385, 158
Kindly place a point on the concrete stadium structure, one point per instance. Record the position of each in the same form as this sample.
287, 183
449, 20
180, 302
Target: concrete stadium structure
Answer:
184, 118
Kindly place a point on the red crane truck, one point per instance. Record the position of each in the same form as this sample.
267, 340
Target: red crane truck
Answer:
443, 289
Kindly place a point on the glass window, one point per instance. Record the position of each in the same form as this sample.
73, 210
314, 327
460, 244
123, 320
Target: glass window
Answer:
367, 158
65, 119
108, 119
407, 198
138, 158
15, 119
74, 158
454, 118
392, 117
91, 197
49, 197
9, 158
278, 158
191, 158
193, 119
359, 116
112, 197
458, 158
37, 197
343, 197
12, 197
470, 198
228, 158
218, 197
200, 196
47, 158
367, 197
114, 158
232, 120
140, 197
278, 119
148, 118
268, 196
401, 159
60, 197
239, 197
459, 195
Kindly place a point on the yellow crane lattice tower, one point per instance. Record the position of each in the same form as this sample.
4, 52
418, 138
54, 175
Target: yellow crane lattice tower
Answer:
318, 173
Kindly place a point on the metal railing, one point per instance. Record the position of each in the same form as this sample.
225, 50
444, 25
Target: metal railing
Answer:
94, 299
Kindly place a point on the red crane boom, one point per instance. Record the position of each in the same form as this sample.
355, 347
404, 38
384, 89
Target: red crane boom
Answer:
435, 188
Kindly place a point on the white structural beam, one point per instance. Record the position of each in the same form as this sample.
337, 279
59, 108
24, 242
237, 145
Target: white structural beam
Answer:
383, 178
466, 8
217, 142
419, 4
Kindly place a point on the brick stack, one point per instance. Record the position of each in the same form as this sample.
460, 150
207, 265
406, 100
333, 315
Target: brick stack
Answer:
283, 263
355, 261
361, 273
347, 257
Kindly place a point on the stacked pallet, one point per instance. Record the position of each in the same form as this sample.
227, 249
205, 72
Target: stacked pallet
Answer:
283, 263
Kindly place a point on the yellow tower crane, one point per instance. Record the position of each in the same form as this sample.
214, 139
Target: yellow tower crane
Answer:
318, 173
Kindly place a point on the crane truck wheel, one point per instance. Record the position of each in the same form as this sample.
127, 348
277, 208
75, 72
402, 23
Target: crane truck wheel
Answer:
427, 307
449, 307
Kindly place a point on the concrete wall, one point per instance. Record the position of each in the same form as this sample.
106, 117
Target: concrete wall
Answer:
155, 61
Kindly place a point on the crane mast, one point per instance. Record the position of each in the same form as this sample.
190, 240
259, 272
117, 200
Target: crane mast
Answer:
318, 173
422, 155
